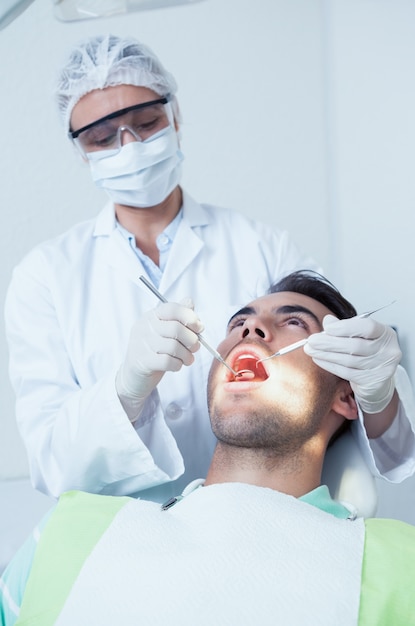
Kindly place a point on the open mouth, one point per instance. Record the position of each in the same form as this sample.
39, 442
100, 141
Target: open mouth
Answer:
249, 369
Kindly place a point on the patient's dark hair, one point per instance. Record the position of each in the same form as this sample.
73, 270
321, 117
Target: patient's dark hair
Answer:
316, 286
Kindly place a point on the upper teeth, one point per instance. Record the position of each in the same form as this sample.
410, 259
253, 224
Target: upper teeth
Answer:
246, 356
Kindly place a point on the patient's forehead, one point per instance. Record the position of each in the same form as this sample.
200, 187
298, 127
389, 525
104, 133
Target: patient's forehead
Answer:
270, 303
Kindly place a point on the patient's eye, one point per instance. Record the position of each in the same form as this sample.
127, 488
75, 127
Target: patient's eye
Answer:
296, 320
236, 322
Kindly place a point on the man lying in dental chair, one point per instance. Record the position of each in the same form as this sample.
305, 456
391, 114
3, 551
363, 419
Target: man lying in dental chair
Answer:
259, 540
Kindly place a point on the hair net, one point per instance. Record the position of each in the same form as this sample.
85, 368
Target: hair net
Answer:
106, 61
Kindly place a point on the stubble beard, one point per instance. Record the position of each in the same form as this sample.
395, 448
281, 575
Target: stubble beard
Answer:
280, 430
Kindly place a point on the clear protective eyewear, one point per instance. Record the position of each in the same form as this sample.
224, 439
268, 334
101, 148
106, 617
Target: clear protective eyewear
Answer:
140, 120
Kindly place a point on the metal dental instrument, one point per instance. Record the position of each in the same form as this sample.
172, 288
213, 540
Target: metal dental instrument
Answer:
202, 340
302, 342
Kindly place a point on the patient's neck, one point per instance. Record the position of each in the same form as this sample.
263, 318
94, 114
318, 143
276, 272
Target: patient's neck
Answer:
295, 474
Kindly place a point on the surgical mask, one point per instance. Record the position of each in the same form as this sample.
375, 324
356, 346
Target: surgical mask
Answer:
141, 174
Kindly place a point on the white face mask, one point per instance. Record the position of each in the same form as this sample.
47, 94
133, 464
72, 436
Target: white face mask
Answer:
141, 174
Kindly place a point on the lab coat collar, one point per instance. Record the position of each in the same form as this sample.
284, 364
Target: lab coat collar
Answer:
186, 245
193, 213
105, 222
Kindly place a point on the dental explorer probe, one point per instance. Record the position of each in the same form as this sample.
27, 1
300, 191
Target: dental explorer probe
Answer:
302, 342
202, 340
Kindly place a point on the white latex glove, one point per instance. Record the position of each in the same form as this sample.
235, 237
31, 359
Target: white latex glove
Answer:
362, 351
162, 340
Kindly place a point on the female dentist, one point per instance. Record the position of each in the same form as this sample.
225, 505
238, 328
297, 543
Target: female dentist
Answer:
110, 385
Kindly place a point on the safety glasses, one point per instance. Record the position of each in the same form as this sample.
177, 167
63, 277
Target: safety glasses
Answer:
140, 120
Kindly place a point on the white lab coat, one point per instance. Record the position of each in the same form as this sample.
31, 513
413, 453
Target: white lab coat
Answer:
69, 311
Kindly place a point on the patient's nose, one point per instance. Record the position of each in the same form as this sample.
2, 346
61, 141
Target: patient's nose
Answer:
253, 327
258, 331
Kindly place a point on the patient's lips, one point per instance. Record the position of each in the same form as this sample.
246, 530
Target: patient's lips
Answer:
249, 369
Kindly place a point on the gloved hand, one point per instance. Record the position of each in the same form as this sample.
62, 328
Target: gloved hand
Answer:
162, 340
362, 351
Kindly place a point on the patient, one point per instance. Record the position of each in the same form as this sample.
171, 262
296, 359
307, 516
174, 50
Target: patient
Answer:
259, 541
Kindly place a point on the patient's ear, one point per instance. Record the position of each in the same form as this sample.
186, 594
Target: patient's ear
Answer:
344, 402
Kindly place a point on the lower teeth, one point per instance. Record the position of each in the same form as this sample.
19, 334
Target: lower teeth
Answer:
246, 373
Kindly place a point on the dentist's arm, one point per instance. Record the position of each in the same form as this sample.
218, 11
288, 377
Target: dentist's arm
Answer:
366, 353
162, 340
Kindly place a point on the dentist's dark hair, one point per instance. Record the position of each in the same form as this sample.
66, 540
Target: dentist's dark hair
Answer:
316, 286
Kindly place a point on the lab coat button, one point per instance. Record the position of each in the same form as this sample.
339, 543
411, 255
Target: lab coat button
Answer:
173, 411
163, 241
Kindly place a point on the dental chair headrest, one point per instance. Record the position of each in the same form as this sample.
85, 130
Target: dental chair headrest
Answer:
348, 477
